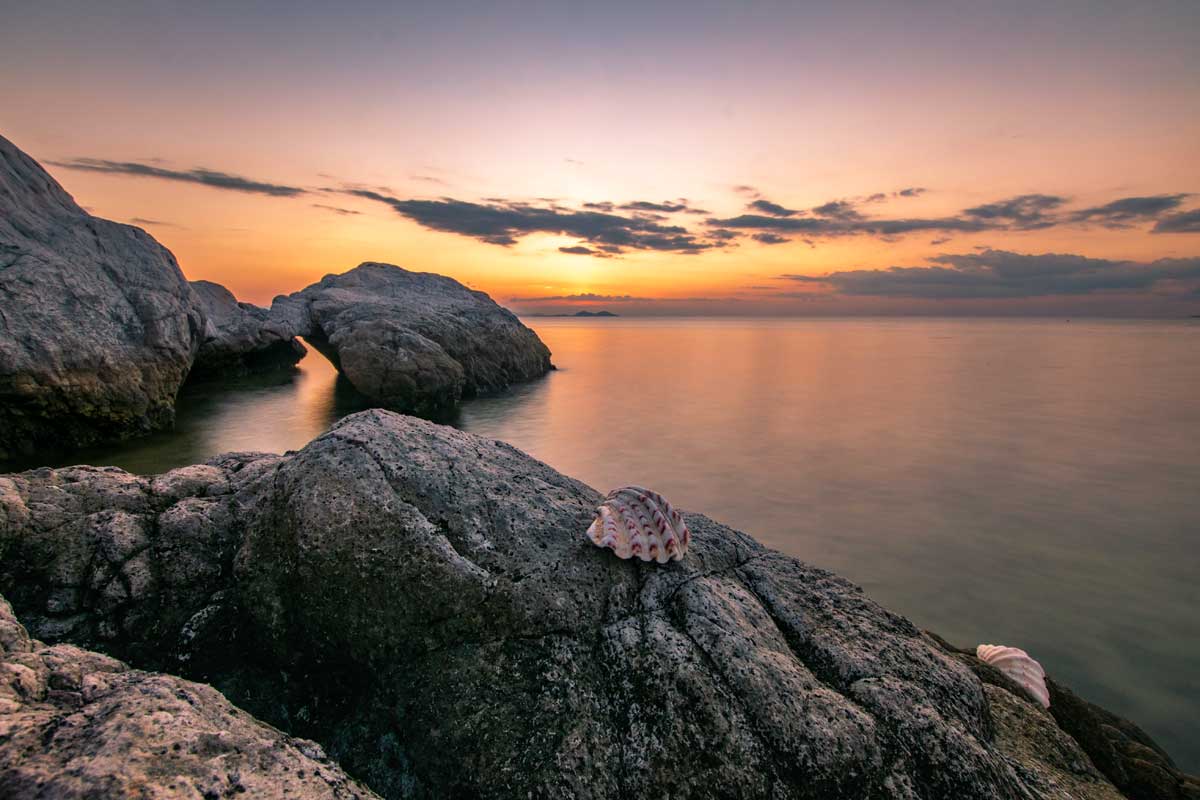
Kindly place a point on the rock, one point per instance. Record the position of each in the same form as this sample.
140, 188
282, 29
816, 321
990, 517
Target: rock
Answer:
411, 341
78, 724
1121, 750
237, 340
424, 604
98, 326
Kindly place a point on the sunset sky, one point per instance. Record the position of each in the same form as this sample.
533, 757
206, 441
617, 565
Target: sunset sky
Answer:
650, 158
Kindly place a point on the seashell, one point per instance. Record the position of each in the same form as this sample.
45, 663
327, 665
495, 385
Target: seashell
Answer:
637, 523
1016, 664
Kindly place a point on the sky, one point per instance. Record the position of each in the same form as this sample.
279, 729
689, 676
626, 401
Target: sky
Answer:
647, 158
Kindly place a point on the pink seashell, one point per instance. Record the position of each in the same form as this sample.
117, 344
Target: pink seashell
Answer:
637, 523
1016, 664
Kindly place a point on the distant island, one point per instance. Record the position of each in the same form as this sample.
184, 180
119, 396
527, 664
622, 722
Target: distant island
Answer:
578, 314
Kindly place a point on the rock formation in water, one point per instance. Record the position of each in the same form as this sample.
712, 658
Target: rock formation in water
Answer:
78, 724
98, 327
422, 602
412, 341
237, 339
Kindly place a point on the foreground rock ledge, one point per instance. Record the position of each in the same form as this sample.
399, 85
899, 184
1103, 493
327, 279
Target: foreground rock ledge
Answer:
422, 603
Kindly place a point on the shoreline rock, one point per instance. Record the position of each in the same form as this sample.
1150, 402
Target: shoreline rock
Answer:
237, 340
422, 602
76, 724
98, 326
411, 341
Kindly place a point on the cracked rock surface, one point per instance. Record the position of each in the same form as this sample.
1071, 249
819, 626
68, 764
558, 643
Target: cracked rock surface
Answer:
78, 724
411, 341
98, 326
423, 603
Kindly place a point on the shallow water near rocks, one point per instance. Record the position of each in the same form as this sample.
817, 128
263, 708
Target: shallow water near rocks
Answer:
1024, 482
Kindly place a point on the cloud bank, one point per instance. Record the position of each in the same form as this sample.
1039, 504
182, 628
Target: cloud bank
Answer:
1004, 274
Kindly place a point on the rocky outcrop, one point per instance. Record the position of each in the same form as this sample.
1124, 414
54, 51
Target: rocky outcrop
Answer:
237, 340
78, 724
98, 327
412, 341
422, 602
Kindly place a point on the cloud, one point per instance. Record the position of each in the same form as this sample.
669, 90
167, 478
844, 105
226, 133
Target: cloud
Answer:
912, 191
1020, 213
839, 209
666, 207
580, 250
774, 209
155, 222
426, 179
1003, 274
770, 238
742, 188
336, 210
205, 177
1129, 210
878, 197
1187, 222
504, 222
1023, 212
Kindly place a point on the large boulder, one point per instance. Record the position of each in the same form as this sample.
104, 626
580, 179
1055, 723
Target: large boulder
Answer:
78, 724
98, 326
237, 339
411, 341
423, 603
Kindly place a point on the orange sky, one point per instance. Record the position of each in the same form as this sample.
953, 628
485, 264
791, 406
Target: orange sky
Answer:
975, 105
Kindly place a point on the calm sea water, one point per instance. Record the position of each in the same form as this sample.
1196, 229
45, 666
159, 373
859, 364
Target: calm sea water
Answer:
1034, 483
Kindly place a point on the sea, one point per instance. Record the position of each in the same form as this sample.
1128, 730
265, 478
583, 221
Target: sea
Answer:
1029, 482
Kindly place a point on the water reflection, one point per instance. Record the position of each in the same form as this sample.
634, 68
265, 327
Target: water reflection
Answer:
272, 413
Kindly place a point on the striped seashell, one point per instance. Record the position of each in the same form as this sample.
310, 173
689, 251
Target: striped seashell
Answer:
1016, 664
637, 523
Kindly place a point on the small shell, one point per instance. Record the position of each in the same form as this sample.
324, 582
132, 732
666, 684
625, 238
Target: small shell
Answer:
637, 523
1016, 664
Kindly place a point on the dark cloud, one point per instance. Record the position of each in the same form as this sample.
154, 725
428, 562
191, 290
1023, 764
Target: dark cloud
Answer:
878, 197
723, 234
774, 209
770, 238
912, 191
744, 189
336, 210
504, 222
205, 177
1023, 212
1129, 210
580, 250
1002, 274
838, 209
665, 207
1187, 222
939, 241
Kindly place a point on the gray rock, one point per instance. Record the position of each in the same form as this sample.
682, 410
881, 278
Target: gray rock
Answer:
78, 724
411, 341
236, 338
422, 602
98, 326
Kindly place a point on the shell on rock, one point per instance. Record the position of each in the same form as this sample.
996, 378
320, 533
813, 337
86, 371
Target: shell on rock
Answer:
1016, 664
635, 522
